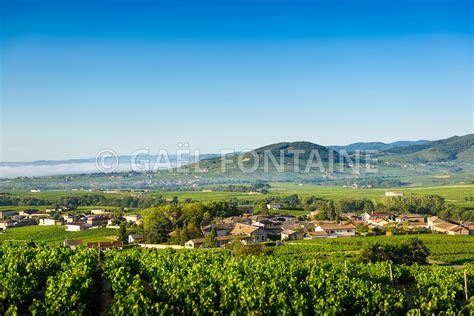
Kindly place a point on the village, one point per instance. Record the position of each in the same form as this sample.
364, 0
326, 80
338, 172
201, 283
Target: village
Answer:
246, 228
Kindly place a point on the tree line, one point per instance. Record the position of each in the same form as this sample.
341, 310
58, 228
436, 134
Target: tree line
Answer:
330, 209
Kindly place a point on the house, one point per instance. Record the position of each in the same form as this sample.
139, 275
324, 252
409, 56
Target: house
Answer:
76, 227
337, 230
445, 227
49, 222
256, 233
132, 238
194, 243
432, 220
221, 229
265, 223
25, 222
386, 216
288, 234
28, 213
7, 213
378, 222
393, 193
7, 224
284, 218
70, 218
273, 206
315, 235
97, 220
73, 244
134, 218
244, 219
411, 218
39, 215
468, 225
105, 245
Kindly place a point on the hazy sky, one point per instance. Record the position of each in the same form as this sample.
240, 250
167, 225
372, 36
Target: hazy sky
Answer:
81, 76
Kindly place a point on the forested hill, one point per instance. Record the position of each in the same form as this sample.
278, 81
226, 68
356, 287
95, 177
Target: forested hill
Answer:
440, 150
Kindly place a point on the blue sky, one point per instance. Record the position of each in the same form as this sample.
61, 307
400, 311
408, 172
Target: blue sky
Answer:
81, 76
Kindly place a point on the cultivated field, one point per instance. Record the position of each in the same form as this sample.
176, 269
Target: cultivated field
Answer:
56, 234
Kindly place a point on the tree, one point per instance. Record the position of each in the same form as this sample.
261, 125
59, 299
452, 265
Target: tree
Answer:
239, 249
158, 232
409, 252
210, 239
122, 233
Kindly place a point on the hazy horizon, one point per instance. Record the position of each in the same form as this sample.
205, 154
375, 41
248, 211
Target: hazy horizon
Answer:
172, 151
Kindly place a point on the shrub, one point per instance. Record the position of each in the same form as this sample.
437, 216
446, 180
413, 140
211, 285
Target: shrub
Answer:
409, 252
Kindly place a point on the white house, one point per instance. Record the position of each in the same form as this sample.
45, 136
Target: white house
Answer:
49, 222
132, 238
134, 218
75, 227
336, 230
386, 216
272, 206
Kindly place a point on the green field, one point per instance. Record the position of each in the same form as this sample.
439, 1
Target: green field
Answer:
56, 234
452, 193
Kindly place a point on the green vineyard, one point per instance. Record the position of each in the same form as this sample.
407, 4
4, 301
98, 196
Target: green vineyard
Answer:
44, 280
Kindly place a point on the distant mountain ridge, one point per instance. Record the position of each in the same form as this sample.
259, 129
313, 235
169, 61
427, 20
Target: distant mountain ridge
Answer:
379, 145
